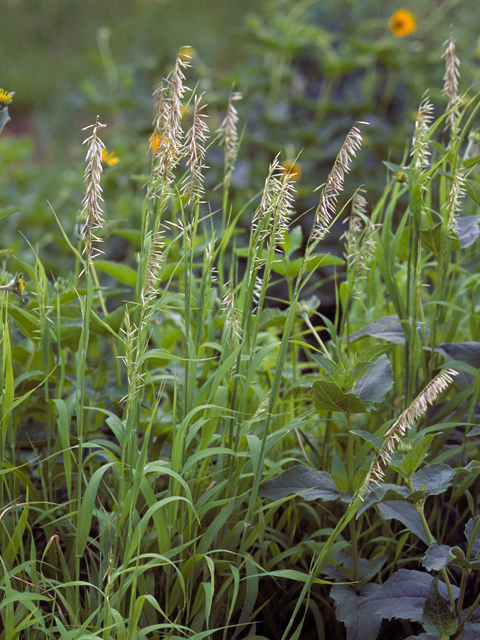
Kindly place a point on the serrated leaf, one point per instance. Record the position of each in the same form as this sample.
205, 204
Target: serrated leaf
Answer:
403, 595
417, 453
300, 480
359, 625
377, 381
406, 514
437, 616
326, 365
327, 396
469, 531
121, 272
437, 557
373, 353
433, 479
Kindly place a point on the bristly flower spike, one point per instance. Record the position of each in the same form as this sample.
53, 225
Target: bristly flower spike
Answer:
228, 131
196, 139
450, 85
168, 133
420, 152
92, 212
405, 421
327, 207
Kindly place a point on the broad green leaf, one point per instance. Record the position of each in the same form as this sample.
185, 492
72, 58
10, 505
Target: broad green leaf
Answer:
374, 385
396, 168
433, 479
327, 396
375, 441
359, 624
472, 187
437, 557
459, 560
467, 352
387, 328
385, 492
467, 230
27, 322
133, 236
437, 617
403, 595
326, 365
469, 531
372, 567
406, 514
339, 474
121, 272
370, 354
309, 483
7, 211
417, 453
433, 240
292, 240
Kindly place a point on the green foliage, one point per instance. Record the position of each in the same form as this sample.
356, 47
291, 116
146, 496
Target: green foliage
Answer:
182, 458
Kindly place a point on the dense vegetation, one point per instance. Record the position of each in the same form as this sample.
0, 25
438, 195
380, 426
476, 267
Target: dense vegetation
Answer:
192, 444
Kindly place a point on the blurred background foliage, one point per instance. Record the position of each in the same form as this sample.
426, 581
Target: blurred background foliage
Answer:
308, 70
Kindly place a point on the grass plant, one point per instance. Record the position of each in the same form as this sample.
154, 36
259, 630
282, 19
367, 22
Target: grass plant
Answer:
181, 457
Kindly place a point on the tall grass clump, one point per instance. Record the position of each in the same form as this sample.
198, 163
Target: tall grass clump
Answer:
182, 457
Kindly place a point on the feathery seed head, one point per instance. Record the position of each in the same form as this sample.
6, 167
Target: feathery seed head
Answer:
92, 212
326, 210
420, 152
450, 84
400, 427
196, 138
166, 141
233, 327
228, 131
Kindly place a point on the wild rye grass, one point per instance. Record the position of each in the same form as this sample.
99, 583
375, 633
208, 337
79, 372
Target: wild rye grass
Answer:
165, 434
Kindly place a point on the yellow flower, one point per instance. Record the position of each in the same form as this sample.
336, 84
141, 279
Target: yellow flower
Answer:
16, 284
292, 169
402, 23
186, 53
154, 143
6, 96
109, 158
